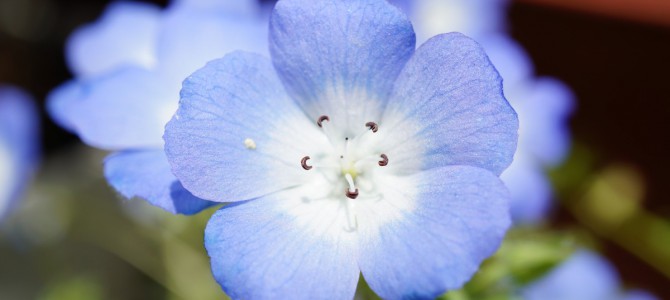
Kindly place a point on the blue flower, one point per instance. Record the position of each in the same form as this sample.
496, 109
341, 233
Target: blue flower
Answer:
583, 276
348, 152
128, 69
542, 104
19, 146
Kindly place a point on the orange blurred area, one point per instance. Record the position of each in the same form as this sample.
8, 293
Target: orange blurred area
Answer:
650, 11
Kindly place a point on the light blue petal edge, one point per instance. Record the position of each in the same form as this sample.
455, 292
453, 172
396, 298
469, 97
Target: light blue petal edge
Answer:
146, 174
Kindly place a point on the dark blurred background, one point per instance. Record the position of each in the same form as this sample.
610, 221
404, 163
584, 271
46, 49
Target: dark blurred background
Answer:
617, 61
618, 66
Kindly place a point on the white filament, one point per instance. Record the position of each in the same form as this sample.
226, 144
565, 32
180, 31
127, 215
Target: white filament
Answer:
350, 181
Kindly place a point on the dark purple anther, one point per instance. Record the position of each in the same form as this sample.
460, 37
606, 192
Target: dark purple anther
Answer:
321, 119
303, 163
373, 126
384, 161
352, 195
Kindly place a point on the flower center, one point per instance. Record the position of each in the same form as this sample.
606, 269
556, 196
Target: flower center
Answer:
349, 161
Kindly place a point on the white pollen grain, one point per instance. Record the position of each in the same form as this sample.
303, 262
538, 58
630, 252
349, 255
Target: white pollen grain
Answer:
250, 144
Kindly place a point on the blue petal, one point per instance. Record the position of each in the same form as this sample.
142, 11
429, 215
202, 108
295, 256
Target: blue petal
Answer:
544, 106
457, 218
125, 34
19, 144
530, 190
275, 248
232, 100
19, 120
232, 7
449, 101
191, 37
405, 5
583, 276
126, 109
146, 174
339, 55
61, 100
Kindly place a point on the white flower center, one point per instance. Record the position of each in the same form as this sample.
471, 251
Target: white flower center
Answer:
349, 166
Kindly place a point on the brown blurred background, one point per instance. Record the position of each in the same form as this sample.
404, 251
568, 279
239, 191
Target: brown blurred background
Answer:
616, 57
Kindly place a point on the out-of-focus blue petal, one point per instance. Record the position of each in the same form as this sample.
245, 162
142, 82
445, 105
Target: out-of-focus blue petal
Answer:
147, 174
543, 106
454, 95
530, 190
639, 295
458, 217
230, 7
583, 276
189, 38
279, 247
473, 18
61, 100
126, 34
19, 144
127, 109
333, 55
19, 118
226, 107
509, 58
128, 68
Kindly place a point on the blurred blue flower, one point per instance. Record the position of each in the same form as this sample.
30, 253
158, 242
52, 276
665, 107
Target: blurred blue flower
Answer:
128, 68
542, 104
583, 276
19, 145
348, 152
474, 18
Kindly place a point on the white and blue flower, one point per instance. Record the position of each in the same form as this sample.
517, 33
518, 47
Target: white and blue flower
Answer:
348, 152
128, 69
19, 145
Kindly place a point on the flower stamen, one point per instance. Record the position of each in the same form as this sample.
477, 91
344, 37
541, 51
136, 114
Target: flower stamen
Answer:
351, 163
384, 161
373, 126
350, 194
352, 191
303, 163
321, 119
326, 129
346, 147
